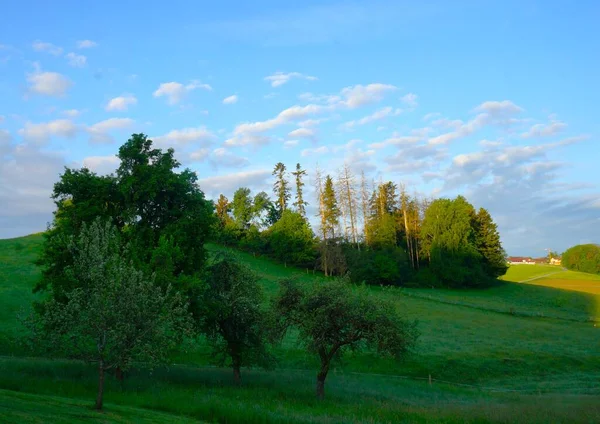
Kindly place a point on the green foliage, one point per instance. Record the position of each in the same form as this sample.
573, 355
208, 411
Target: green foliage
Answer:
487, 240
232, 319
583, 257
331, 211
150, 204
382, 231
463, 248
300, 204
242, 207
388, 266
260, 208
115, 314
291, 240
332, 318
281, 188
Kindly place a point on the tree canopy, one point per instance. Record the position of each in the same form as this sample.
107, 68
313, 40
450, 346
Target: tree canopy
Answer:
583, 257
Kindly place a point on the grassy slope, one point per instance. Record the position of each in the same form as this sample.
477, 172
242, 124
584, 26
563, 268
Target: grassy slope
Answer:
468, 337
22, 408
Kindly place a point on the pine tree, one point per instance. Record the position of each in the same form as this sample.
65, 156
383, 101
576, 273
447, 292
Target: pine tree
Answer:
488, 244
300, 204
281, 188
331, 210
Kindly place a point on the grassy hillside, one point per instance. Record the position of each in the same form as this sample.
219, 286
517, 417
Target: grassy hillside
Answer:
518, 341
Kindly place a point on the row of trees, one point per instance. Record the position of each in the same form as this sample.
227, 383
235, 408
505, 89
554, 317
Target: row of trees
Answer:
377, 233
127, 278
583, 257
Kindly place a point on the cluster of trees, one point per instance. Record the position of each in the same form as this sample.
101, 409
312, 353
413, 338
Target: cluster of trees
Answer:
126, 277
583, 257
374, 233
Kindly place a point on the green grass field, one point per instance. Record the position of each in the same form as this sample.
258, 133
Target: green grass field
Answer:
516, 352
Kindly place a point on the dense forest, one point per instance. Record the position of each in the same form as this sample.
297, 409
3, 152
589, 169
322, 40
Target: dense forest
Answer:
373, 232
583, 257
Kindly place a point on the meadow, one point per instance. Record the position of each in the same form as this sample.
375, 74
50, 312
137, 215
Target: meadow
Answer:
524, 350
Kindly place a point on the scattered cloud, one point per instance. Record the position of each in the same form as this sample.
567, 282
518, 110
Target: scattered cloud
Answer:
40, 46
545, 130
199, 136
76, 60
48, 83
100, 132
221, 157
102, 165
280, 78
255, 179
71, 113
230, 100
360, 95
303, 132
86, 44
288, 144
42, 132
375, 116
316, 151
199, 155
175, 92
499, 107
121, 103
410, 100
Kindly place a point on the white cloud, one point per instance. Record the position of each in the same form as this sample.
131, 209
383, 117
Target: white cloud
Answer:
5, 140
499, 107
99, 132
40, 46
316, 151
302, 133
86, 44
430, 116
121, 103
185, 136
2, 118
199, 155
102, 165
72, 113
48, 83
410, 100
41, 133
227, 184
545, 130
223, 157
230, 100
375, 116
280, 78
175, 92
360, 95
288, 144
76, 60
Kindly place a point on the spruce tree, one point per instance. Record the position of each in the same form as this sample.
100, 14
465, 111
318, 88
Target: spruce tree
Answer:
487, 240
281, 188
300, 204
331, 211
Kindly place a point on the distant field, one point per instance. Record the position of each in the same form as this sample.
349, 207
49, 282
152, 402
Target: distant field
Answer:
516, 340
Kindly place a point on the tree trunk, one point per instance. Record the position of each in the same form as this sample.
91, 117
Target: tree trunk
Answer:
119, 374
100, 385
237, 377
321, 384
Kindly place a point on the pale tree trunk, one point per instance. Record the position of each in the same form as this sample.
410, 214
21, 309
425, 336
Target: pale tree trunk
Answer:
365, 205
319, 190
403, 202
349, 190
99, 397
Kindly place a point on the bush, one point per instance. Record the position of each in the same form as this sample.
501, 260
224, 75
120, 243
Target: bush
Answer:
387, 266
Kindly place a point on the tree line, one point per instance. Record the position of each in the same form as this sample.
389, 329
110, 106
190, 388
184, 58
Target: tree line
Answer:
583, 257
126, 278
372, 232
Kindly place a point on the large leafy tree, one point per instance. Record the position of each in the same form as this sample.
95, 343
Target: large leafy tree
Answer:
583, 257
281, 187
114, 315
147, 200
292, 240
233, 320
332, 318
242, 207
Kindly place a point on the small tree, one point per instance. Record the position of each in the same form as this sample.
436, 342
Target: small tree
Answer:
292, 239
233, 320
332, 317
115, 315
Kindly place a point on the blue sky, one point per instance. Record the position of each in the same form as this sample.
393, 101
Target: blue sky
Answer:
495, 100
